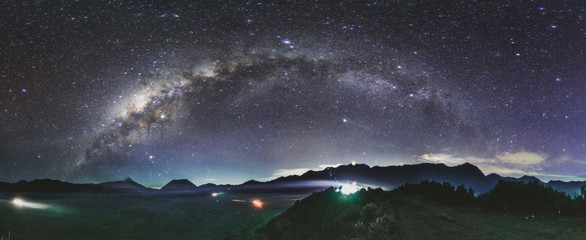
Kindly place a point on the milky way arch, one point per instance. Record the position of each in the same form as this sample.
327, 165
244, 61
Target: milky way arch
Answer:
285, 92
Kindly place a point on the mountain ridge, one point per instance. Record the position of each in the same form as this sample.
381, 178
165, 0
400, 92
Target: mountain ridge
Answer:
386, 177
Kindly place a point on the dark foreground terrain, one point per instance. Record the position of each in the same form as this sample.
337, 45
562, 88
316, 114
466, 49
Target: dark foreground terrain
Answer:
111, 216
428, 210
434, 211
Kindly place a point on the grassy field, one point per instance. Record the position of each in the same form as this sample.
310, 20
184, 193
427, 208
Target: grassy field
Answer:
376, 214
137, 217
422, 219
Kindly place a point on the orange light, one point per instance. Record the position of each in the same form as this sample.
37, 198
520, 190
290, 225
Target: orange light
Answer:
257, 203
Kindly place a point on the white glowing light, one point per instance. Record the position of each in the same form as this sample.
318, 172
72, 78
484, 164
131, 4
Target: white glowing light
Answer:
18, 202
353, 163
349, 188
162, 116
214, 194
21, 204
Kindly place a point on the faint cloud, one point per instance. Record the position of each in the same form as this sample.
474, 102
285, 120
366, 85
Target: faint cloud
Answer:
322, 166
441, 158
565, 159
510, 164
449, 159
505, 171
522, 158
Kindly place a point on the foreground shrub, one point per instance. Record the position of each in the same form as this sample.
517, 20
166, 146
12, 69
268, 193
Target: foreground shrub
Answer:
528, 198
440, 192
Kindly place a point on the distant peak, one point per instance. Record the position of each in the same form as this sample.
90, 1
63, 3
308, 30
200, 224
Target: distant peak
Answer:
252, 181
180, 181
179, 184
529, 178
470, 167
467, 165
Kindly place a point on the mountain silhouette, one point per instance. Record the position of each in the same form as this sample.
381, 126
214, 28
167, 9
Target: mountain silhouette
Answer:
47, 186
125, 186
389, 177
179, 185
394, 176
56, 186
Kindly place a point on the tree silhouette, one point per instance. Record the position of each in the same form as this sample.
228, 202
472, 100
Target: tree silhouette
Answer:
529, 198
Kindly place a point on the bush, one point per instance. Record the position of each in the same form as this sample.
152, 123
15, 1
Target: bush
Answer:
376, 222
530, 198
443, 193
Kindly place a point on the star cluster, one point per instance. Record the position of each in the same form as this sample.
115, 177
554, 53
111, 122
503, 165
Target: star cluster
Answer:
225, 91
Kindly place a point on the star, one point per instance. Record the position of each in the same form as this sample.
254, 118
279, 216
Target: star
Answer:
257, 88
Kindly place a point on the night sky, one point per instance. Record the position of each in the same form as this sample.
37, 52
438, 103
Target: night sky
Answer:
226, 91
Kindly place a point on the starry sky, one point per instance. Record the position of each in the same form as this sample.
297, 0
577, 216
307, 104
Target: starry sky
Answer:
226, 91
